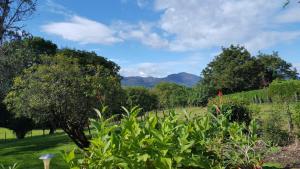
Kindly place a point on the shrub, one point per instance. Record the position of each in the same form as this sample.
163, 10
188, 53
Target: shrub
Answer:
272, 130
234, 109
141, 97
21, 126
170, 142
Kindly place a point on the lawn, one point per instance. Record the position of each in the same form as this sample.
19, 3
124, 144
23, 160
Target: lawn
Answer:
9, 135
27, 151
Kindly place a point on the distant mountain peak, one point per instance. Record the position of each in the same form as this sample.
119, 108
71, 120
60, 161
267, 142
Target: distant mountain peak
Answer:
181, 78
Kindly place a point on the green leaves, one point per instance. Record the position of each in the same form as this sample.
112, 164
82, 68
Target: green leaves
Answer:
170, 142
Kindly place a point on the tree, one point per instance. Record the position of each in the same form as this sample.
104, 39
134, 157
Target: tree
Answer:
233, 70
275, 68
12, 13
199, 94
171, 95
142, 97
62, 89
92, 58
15, 57
19, 55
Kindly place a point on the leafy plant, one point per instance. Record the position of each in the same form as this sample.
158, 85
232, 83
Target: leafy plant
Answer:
273, 131
170, 142
14, 166
235, 110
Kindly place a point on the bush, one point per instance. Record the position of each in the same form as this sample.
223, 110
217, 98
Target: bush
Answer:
21, 126
272, 130
170, 142
234, 109
141, 97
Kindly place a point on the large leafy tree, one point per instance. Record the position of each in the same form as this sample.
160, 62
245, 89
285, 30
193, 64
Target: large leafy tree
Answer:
171, 95
142, 97
19, 55
15, 57
62, 89
12, 13
275, 68
233, 70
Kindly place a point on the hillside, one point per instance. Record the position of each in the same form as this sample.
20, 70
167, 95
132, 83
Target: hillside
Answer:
182, 78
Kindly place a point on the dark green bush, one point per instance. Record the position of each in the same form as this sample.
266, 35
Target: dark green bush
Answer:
273, 132
21, 126
235, 110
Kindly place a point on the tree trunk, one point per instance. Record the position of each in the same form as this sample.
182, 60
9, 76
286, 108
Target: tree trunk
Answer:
76, 133
52, 131
52, 128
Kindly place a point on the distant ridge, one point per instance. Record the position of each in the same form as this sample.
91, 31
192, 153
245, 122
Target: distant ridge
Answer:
182, 78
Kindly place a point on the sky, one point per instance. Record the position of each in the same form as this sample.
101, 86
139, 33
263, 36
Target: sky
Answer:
161, 37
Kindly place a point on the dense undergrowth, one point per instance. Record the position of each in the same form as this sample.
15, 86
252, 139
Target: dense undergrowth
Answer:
209, 141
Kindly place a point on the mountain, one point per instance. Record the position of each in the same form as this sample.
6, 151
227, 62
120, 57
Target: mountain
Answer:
183, 78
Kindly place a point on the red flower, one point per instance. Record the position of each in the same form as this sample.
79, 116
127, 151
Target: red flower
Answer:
220, 94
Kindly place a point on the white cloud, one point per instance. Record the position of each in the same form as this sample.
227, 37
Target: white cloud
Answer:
202, 24
191, 25
267, 39
83, 30
162, 69
141, 32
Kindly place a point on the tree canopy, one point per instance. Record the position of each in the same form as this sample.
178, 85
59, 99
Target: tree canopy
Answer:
65, 91
142, 97
235, 70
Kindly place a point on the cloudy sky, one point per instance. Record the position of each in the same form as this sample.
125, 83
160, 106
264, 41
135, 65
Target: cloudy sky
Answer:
160, 37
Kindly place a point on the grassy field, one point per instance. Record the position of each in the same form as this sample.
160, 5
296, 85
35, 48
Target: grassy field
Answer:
27, 151
9, 135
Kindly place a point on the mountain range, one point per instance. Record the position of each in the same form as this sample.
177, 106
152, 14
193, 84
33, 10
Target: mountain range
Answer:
182, 78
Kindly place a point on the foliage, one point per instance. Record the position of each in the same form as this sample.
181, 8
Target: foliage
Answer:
272, 130
171, 95
233, 70
14, 166
199, 95
170, 142
284, 92
234, 109
13, 12
275, 68
64, 91
253, 96
296, 116
21, 125
90, 58
141, 97
19, 55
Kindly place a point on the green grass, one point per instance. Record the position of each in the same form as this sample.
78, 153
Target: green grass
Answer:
9, 135
27, 151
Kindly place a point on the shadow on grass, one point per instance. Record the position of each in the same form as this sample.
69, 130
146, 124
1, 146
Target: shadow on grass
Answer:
36, 143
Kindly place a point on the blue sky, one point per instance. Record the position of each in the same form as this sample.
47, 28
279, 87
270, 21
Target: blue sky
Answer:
160, 37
